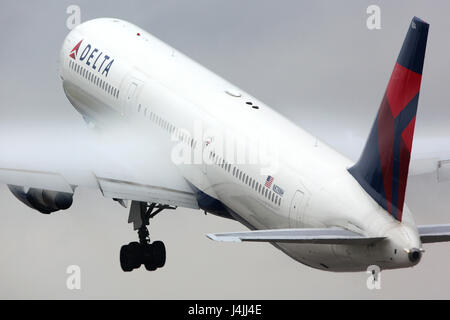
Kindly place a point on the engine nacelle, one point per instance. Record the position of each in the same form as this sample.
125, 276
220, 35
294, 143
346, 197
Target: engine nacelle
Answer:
44, 201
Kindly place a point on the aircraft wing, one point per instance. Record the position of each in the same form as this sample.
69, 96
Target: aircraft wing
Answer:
434, 233
319, 236
119, 164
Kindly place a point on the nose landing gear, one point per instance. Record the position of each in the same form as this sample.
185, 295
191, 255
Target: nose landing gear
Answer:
135, 254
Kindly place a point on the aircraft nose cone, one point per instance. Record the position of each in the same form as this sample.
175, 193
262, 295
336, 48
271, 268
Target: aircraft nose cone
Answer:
414, 255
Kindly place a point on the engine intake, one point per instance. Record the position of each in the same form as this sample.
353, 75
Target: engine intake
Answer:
44, 201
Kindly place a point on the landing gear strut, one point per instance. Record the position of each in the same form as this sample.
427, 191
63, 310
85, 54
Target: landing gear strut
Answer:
135, 254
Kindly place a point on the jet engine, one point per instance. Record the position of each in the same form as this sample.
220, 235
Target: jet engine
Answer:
44, 201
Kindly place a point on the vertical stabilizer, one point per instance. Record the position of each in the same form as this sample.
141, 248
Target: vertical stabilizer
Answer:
382, 169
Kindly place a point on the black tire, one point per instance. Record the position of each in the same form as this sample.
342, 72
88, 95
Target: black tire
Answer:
159, 253
149, 261
130, 256
136, 256
124, 259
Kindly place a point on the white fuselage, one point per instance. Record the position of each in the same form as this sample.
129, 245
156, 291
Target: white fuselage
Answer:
122, 73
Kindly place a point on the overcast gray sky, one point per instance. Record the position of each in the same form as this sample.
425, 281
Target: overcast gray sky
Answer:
313, 61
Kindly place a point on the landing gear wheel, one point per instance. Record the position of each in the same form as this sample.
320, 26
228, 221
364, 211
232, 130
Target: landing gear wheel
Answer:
151, 255
125, 262
130, 256
159, 253
148, 260
154, 255
136, 254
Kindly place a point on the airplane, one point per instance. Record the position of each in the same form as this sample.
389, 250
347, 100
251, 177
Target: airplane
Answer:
165, 132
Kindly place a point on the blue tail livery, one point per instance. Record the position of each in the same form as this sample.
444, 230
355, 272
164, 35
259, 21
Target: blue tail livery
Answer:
382, 169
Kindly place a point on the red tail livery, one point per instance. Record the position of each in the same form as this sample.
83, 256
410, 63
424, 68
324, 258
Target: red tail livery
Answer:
382, 169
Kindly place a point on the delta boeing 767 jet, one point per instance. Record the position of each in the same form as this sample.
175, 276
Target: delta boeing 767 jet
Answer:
169, 123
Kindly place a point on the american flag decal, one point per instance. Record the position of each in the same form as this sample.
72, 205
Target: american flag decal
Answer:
269, 181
